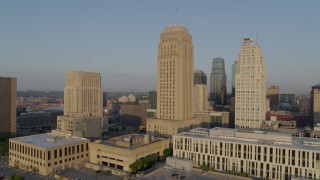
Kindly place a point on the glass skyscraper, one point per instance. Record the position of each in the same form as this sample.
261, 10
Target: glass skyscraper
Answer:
218, 85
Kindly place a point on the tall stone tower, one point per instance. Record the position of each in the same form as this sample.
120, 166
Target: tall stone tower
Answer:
174, 83
83, 94
250, 104
175, 74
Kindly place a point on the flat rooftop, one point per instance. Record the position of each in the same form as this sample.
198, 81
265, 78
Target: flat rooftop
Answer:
277, 139
48, 140
113, 141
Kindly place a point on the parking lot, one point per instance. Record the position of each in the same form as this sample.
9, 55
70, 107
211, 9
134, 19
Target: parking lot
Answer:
88, 174
163, 173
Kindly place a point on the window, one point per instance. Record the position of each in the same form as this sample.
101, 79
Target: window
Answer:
49, 155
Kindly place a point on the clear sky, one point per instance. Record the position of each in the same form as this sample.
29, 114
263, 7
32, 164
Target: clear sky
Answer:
41, 40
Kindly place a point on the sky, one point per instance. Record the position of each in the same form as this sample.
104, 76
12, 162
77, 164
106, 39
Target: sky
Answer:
41, 40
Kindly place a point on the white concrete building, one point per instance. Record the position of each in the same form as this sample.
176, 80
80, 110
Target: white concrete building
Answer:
255, 153
250, 95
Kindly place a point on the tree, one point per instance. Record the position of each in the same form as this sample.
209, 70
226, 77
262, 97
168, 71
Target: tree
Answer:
15, 177
136, 166
167, 152
27, 168
35, 170
4, 146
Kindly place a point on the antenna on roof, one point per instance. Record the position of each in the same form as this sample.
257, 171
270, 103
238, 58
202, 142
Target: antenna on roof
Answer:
177, 15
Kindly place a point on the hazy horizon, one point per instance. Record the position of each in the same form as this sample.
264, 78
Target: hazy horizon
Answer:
41, 40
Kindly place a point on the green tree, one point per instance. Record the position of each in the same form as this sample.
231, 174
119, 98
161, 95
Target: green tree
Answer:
136, 166
15, 177
4, 147
35, 170
27, 168
148, 162
167, 152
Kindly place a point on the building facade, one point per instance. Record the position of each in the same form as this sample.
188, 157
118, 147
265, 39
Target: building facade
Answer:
250, 86
234, 71
256, 154
273, 95
315, 105
200, 77
119, 152
153, 99
200, 91
175, 81
39, 120
200, 97
218, 82
48, 153
81, 126
83, 93
304, 106
175, 74
134, 115
8, 96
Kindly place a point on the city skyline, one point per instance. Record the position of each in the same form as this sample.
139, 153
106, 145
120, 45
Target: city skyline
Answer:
42, 41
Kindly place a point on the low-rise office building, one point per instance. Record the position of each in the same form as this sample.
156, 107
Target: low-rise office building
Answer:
119, 152
47, 153
259, 154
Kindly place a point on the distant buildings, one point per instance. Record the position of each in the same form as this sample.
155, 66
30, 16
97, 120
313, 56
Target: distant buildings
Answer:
258, 154
218, 84
175, 80
200, 92
273, 95
153, 99
304, 106
250, 96
134, 115
8, 96
216, 119
83, 94
41, 120
83, 102
104, 100
234, 71
301, 119
200, 77
288, 98
315, 105
81, 126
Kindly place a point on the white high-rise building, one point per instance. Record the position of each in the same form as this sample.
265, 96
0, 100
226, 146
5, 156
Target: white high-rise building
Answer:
250, 96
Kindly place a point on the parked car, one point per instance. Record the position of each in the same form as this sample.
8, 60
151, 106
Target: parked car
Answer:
204, 172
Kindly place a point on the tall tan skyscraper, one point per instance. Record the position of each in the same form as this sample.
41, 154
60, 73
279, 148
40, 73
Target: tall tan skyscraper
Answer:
175, 82
315, 106
250, 96
175, 74
83, 94
8, 96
